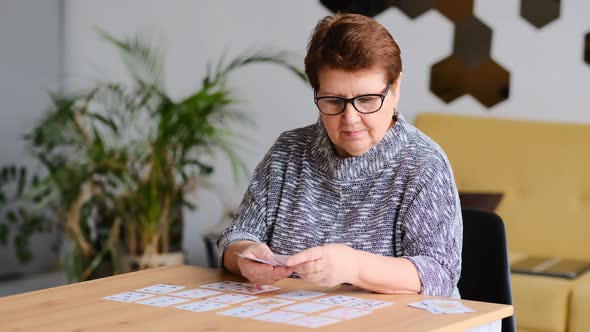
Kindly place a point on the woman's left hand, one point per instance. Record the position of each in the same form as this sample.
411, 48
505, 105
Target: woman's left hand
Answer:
326, 266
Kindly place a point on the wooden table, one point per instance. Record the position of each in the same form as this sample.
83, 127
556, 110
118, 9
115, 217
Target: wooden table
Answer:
79, 307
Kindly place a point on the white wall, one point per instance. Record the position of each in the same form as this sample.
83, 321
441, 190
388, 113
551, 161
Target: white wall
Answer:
29, 67
549, 80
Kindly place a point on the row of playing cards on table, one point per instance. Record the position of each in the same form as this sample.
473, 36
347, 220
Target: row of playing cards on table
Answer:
325, 310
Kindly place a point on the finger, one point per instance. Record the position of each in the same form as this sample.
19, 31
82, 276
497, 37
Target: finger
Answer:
278, 274
282, 270
309, 267
310, 254
251, 265
254, 271
261, 251
265, 278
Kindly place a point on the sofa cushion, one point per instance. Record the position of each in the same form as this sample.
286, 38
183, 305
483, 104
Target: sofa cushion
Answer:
579, 320
541, 168
541, 303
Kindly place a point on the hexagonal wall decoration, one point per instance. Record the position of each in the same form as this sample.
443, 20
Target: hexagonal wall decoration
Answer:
587, 48
473, 41
455, 10
487, 82
368, 8
470, 69
447, 79
540, 12
413, 8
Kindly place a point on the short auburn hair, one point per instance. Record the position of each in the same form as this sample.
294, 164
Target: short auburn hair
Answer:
351, 42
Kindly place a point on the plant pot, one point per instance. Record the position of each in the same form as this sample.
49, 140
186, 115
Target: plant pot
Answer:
132, 263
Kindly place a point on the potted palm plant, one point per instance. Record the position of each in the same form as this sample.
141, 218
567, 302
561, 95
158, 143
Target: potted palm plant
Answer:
120, 159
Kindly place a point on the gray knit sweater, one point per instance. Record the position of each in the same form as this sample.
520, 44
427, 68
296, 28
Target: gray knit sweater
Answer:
398, 199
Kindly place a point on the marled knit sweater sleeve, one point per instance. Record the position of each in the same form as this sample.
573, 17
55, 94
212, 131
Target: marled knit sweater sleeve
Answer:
250, 222
431, 229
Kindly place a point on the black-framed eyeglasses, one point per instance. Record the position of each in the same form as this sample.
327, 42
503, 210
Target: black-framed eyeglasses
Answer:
365, 104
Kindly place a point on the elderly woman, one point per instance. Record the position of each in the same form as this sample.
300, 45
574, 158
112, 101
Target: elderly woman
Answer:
361, 196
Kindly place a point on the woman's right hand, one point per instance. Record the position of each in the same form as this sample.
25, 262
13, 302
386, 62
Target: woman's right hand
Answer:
260, 273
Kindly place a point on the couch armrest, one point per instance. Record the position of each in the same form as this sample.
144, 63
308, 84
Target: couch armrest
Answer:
579, 319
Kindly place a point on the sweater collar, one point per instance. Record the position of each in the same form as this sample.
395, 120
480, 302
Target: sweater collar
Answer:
351, 168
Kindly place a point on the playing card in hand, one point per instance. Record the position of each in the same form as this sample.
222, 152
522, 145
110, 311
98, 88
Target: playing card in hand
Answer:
274, 260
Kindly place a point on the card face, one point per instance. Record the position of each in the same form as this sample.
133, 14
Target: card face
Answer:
270, 302
274, 260
195, 293
270, 261
338, 300
240, 287
424, 306
448, 307
252, 289
313, 321
243, 312
127, 297
368, 304
202, 306
162, 301
222, 286
160, 289
300, 295
307, 307
345, 313
278, 316
232, 298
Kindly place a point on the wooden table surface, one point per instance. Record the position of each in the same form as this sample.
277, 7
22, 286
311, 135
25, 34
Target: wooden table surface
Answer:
79, 307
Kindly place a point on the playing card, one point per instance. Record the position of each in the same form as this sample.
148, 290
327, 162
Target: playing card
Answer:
253, 289
421, 305
281, 259
313, 321
269, 303
448, 307
260, 260
195, 293
307, 307
345, 313
278, 316
127, 297
243, 312
202, 306
222, 285
160, 289
162, 301
232, 298
368, 304
300, 295
338, 300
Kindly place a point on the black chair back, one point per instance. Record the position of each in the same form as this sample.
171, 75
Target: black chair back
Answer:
485, 269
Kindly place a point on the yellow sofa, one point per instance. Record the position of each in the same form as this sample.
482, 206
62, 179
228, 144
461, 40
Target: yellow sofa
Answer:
543, 170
